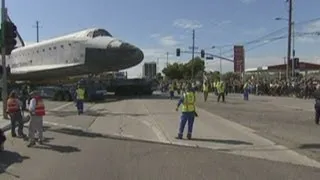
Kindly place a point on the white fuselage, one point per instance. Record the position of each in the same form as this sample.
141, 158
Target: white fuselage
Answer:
86, 52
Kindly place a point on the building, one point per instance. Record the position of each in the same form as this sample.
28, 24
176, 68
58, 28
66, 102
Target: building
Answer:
149, 70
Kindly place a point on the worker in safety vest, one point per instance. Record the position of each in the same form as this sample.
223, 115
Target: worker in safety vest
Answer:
205, 90
80, 93
2, 139
37, 111
188, 112
171, 90
246, 91
221, 90
14, 106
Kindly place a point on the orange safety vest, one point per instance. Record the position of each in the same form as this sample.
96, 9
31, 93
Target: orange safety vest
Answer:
40, 109
12, 105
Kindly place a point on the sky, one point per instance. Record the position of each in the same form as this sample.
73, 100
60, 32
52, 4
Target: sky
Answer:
162, 26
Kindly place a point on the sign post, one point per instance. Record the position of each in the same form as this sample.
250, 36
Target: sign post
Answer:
239, 62
3, 58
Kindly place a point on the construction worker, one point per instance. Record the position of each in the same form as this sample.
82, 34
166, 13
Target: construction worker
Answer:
37, 111
188, 112
14, 111
246, 91
205, 90
80, 93
2, 139
220, 90
171, 90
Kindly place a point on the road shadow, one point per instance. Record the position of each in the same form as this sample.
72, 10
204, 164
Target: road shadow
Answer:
93, 113
154, 96
310, 146
77, 132
57, 148
8, 158
222, 141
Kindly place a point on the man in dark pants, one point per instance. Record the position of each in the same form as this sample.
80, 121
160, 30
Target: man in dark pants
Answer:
316, 95
221, 91
14, 112
2, 139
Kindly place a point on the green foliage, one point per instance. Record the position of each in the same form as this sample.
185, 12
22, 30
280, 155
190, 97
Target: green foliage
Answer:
184, 71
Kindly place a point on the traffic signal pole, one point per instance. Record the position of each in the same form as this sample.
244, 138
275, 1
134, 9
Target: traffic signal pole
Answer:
3, 58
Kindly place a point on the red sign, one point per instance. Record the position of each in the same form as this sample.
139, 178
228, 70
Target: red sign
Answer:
238, 63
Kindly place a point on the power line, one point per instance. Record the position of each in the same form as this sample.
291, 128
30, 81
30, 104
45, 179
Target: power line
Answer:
263, 38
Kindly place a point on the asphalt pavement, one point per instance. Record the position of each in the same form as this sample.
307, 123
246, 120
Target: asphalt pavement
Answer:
284, 120
135, 139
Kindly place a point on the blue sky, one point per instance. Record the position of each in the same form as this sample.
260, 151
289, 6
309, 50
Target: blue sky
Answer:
161, 26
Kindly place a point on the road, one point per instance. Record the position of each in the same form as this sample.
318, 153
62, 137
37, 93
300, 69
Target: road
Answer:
134, 139
286, 121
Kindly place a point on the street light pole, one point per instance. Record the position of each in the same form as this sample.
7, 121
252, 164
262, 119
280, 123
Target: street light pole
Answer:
193, 47
290, 36
220, 60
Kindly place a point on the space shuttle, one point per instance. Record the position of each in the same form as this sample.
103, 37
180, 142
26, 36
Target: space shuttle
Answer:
90, 51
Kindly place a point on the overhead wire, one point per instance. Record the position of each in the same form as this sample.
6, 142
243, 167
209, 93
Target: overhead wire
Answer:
263, 38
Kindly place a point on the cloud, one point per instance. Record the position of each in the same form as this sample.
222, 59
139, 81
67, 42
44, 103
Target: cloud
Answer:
247, 1
187, 24
168, 41
155, 35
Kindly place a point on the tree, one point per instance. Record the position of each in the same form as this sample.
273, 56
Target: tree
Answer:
184, 71
159, 77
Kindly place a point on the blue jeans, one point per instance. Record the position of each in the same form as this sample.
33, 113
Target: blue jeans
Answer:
186, 117
80, 105
246, 95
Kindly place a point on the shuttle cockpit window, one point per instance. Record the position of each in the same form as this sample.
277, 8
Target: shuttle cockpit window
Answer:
101, 32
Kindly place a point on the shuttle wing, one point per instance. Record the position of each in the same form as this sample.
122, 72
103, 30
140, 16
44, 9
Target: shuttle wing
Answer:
41, 68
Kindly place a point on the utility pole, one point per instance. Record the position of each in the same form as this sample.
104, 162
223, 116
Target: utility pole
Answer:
37, 28
289, 37
220, 70
192, 61
167, 59
3, 58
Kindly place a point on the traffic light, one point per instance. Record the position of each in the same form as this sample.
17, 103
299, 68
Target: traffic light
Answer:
202, 53
178, 52
9, 41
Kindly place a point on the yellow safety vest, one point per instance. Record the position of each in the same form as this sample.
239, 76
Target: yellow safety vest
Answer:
205, 87
188, 103
220, 87
80, 94
245, 86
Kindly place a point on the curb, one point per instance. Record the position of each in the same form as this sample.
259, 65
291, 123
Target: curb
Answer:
6, 125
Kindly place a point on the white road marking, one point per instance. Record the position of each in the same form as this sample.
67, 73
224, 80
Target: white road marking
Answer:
157, 132
155, 127
62, 106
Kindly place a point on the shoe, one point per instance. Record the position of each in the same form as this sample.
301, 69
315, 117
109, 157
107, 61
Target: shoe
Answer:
189, 136
14, 135
31, 144
179, 136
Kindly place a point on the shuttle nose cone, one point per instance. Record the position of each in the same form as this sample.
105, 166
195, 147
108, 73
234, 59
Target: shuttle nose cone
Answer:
135, 55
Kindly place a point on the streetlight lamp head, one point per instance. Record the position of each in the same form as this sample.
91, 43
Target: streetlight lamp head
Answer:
277, 18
